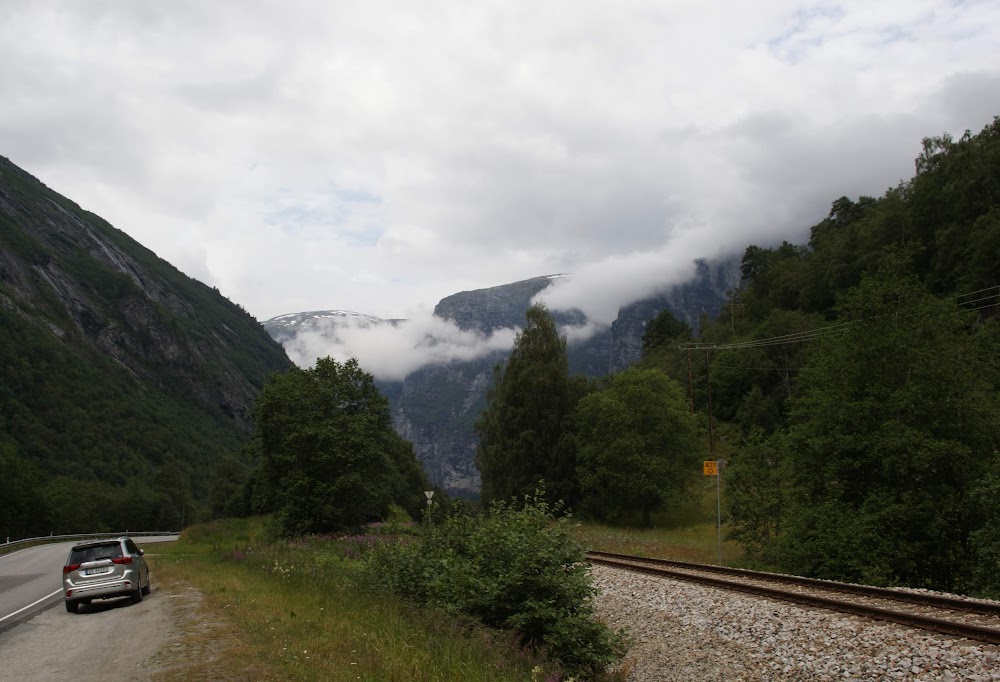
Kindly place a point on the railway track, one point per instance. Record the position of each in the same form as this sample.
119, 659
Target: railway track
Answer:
976, 620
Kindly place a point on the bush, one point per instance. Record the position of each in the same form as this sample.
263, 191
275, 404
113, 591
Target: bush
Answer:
515, 568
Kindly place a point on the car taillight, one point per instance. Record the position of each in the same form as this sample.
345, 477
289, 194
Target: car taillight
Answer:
69, 568
122, 560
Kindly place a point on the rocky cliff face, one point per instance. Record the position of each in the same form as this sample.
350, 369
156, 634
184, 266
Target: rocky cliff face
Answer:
703, 296
71, 275
436, 406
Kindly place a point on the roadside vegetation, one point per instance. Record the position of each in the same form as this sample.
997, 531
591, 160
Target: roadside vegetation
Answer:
306, 609
318, 607
515, 568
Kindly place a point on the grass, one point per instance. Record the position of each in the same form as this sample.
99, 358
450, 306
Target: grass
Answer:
697, 543
687, 533
298, 611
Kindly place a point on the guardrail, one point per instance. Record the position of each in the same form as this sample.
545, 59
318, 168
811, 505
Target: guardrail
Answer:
11, 546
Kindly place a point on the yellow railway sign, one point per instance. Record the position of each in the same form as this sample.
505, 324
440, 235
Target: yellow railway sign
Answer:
711, 467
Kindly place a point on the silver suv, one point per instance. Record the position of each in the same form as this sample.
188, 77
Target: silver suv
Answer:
101, 569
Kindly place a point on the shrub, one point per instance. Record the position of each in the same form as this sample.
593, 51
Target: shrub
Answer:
514, 568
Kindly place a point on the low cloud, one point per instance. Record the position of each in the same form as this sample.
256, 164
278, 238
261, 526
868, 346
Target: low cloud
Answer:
600, 289
391, 351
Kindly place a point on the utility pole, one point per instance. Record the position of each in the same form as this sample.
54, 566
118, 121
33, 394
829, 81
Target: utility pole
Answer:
708, 389
732, 316
690, 384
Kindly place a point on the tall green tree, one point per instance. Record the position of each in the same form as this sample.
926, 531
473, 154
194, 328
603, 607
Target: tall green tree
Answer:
756, 492
328, 453
521, 432
662, 330
639, 445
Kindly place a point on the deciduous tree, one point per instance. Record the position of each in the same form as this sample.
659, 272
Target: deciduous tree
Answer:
639, 445
328, 453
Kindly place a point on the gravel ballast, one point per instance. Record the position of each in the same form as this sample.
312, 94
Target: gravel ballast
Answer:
686, 632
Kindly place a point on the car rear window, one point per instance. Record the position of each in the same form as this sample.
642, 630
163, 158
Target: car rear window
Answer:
81, 555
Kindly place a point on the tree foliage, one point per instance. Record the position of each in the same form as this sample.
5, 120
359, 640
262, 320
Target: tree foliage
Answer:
664, 329
886, 436
23, 512
516, 568
80, 420
639, 446
522, 431
329, 457
862, 376
756, 492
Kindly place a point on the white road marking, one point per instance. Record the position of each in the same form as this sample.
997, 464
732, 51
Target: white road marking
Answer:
16, 551
11, 615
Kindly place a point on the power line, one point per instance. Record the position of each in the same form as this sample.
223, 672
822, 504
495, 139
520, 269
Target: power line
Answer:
795, 337
761, 369
973, 293
812, 334
981, 298
983, 307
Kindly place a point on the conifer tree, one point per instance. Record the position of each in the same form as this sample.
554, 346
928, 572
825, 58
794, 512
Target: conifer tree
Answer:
521, 432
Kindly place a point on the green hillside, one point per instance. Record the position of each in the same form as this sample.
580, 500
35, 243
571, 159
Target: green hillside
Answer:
126, 387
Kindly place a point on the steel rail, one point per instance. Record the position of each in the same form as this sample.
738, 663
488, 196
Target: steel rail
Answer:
935, 600
974, 632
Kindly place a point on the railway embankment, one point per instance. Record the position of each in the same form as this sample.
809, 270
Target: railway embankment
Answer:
688, 631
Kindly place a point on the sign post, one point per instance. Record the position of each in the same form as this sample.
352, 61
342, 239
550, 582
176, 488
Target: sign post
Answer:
713, 467
429, 494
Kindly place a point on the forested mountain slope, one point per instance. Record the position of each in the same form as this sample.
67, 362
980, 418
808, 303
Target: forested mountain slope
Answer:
126, 388
857, 383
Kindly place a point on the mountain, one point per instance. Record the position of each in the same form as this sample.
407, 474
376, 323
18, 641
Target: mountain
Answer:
119, 375
436, 406
287, 327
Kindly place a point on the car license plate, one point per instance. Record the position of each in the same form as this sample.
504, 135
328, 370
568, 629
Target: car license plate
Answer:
96, 571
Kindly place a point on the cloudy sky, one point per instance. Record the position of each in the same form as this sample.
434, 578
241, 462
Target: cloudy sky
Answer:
379, 155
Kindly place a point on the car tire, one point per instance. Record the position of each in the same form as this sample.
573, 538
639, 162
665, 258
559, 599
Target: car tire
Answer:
149, 585
71, 605
137, 594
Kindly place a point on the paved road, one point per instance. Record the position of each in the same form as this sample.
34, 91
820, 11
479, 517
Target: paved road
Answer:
31, 579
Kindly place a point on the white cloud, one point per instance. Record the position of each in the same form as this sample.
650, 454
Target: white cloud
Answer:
381, 155
391, 352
